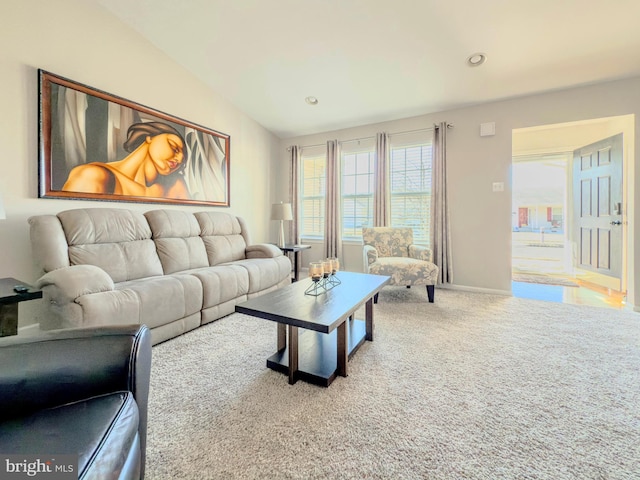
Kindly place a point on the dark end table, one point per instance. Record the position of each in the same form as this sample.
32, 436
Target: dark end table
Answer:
296, 250
9, 300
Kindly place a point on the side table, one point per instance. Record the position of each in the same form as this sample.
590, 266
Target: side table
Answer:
9, 300
296, 250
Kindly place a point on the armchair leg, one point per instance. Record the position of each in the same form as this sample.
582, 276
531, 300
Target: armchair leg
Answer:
431, 292
375, 298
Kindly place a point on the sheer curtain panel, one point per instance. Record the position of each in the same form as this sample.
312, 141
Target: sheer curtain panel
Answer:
381, 188
440, 226
294, 193
333, 222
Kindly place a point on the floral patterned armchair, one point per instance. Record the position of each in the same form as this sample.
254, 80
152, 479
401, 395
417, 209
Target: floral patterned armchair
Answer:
390, 251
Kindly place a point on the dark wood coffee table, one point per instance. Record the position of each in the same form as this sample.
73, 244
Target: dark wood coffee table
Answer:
330, 336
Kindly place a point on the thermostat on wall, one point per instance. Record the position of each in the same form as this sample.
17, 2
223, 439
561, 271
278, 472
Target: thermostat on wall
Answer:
487, 129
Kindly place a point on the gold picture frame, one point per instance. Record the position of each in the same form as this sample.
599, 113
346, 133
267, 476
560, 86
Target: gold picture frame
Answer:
98, 146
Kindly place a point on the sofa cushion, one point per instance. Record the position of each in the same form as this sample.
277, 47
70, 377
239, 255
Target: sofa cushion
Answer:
164, 299
116, 240
100, 430
152, 301
265, 272
222, 283
177, 238
222, 236
48, 242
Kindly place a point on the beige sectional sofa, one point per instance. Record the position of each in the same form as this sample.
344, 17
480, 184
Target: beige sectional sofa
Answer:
168, 269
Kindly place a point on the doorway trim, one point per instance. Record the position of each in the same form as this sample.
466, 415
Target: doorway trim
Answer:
568, 136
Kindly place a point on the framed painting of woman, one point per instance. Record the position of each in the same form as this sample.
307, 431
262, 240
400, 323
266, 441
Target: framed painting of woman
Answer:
94, 145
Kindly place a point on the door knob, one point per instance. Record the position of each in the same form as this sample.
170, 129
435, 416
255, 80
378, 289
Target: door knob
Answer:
616, 222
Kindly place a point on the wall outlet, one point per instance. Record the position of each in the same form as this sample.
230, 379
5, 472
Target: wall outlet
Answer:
498, 186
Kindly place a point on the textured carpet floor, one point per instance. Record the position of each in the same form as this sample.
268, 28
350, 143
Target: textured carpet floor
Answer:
475, 386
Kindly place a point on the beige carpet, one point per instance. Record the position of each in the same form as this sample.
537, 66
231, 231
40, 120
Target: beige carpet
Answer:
474, 386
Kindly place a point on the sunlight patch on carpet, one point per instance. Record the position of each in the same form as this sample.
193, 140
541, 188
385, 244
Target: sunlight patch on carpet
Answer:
544, 279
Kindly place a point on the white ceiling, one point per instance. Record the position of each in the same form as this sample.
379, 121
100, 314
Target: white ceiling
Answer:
369, 61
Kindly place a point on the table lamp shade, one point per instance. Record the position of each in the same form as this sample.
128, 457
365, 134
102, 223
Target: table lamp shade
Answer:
281, 211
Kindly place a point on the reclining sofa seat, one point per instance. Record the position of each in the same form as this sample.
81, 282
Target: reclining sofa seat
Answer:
168, 269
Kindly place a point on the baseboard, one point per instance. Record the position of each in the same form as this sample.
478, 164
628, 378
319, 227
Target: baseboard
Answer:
465, 288
32, 329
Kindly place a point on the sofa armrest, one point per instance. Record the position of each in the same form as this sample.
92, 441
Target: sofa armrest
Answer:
421, 252
62, 366
263, 250
66, 284
370, 255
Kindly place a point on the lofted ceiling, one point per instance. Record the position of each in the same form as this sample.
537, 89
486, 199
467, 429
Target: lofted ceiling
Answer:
370, 61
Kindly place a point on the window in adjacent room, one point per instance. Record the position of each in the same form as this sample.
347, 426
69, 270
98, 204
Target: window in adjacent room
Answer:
312, 192
410, 168
358, 167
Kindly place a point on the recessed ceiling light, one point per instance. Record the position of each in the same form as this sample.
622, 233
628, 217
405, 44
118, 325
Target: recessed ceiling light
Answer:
476, 59
311, 100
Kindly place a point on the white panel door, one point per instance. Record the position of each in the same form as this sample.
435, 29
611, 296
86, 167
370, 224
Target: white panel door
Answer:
598, 204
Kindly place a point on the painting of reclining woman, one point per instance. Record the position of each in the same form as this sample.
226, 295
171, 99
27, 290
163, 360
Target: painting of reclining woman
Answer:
101, 147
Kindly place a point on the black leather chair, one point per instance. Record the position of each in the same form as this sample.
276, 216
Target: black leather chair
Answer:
79, 391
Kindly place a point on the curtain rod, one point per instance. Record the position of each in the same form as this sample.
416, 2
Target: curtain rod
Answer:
427, 129
341, 141
449, 125
358, 139
308, 146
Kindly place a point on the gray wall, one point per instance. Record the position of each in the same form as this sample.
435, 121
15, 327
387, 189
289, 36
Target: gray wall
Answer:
481, 218
87, 44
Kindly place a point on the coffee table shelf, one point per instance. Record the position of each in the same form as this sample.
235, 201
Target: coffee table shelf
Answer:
318, 353
329, 333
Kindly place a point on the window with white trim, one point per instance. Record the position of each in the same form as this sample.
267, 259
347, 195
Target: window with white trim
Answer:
358, 170
312, 193
410, 168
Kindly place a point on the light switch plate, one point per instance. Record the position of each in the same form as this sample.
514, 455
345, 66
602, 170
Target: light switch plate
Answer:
498, 186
